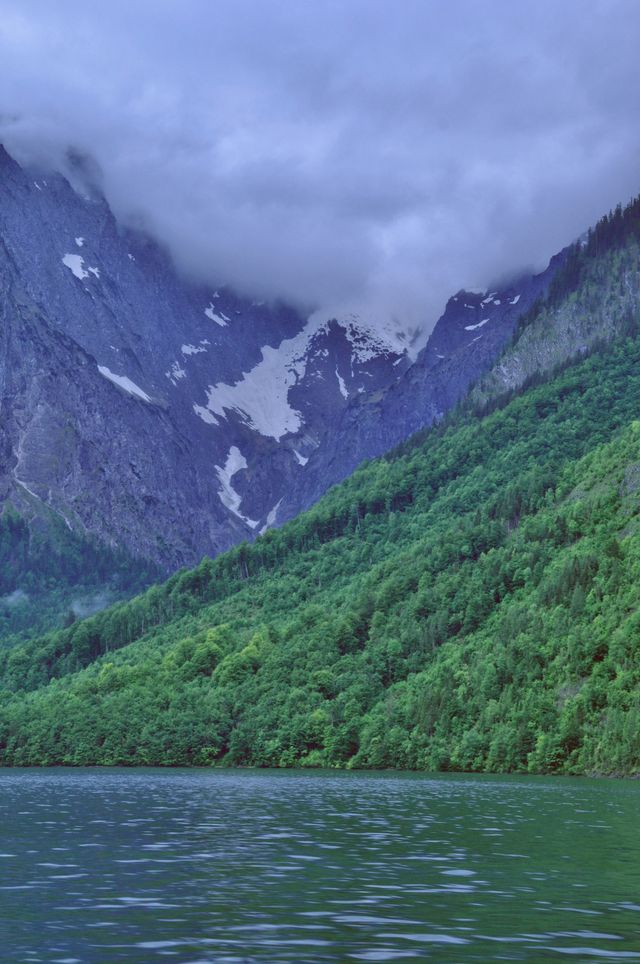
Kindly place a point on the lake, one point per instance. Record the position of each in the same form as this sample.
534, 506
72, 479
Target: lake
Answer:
230, 866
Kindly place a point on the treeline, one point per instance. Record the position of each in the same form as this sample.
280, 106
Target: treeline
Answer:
583, 263
585, 403
470, 604
613, 231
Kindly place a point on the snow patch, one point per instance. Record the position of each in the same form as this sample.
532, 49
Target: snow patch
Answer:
75, 264
123, 382
79, 242
271, 517
515, 300
219, 318
175, 373
369, 341
130, 256
35, 184
479, 325
192, 349
205, 415
301, 459
226, 493
260, 396
341, 385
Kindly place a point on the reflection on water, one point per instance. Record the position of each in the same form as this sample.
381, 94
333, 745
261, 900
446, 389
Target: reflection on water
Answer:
200, 866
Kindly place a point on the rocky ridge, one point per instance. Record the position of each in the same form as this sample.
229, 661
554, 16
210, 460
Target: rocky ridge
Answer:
174, 420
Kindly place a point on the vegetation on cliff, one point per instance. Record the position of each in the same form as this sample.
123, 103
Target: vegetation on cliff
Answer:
50, 576
470, 602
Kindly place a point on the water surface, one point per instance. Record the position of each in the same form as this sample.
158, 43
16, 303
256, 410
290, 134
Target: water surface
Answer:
200, 866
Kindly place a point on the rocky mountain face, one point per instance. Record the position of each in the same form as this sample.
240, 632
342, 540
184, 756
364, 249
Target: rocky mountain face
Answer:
466, 341
173, 420
606, 304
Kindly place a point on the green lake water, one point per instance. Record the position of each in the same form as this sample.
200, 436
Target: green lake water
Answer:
229, 866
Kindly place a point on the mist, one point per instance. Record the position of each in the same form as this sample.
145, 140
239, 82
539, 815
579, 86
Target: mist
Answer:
352, 155
84, 606
15, 598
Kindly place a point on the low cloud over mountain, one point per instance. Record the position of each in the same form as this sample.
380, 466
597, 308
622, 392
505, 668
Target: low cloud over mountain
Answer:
271, 150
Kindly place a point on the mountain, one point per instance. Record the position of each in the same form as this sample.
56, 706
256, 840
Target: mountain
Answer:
148, 411
169, 420
472, 332
468, 602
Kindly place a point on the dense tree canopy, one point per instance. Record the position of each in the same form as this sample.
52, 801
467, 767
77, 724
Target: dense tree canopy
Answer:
49, 574
470, 602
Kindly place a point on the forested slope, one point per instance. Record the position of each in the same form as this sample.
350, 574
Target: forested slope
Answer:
50, 575
594, 296
470, 602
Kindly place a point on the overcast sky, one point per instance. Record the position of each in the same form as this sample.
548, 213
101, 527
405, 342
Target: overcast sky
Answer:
357, 153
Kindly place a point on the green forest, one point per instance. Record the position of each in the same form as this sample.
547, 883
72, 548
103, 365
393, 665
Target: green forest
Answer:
49, 575
470, 602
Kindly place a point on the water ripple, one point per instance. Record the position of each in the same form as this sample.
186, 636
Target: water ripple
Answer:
201, 866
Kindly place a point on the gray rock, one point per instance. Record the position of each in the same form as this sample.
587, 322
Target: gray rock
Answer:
174, 420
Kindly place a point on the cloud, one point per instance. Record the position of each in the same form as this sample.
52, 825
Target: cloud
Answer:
344, 154
93, 603
15, 598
